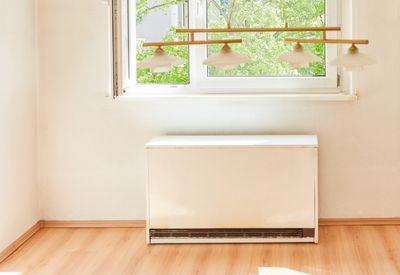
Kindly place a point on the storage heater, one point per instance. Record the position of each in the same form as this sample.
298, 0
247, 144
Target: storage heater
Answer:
232, 189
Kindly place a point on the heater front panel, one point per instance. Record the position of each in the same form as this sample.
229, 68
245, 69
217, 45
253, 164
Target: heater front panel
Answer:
231, 187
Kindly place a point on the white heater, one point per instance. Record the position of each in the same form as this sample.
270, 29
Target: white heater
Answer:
232, 189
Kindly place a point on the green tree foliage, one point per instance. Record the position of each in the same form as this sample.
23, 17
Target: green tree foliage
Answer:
262, 48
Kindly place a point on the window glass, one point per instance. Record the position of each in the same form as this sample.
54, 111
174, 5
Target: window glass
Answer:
265, 48
156, 20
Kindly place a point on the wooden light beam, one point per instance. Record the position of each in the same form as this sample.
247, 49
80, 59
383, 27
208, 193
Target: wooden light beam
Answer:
238, 30
192, 42
327, 41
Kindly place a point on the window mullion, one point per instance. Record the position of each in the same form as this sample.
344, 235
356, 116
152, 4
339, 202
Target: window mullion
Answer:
331, 19
198, 20
132, 40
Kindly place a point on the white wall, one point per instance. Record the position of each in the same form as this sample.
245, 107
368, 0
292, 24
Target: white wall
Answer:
18, 194
92, 161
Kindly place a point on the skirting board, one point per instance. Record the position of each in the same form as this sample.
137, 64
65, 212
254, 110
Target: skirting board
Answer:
141, 224
20, 241
359, 221
95, 224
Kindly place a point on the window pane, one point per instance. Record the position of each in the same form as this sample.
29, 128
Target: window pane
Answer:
265, 48
156, 20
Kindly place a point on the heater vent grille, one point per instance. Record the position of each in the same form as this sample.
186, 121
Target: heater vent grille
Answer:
232, 233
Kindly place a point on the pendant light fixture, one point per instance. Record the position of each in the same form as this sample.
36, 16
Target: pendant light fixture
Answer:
160, 62
226, 59
353, 60
299, 58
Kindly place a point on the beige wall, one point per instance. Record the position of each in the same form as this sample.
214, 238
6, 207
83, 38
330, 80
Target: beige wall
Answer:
92, 161
18, 196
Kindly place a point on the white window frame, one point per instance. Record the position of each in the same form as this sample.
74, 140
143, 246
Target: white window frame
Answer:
200, 83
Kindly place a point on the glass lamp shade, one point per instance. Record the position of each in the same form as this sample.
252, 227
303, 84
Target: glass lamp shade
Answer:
226, 59
353, 60
299, 58
160, 62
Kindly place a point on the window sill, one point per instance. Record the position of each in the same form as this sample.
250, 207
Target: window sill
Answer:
246, 96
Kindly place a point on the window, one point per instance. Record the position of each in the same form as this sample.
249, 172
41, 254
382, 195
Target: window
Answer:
156, 20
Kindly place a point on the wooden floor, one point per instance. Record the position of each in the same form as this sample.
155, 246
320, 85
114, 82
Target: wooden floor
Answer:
342, 250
